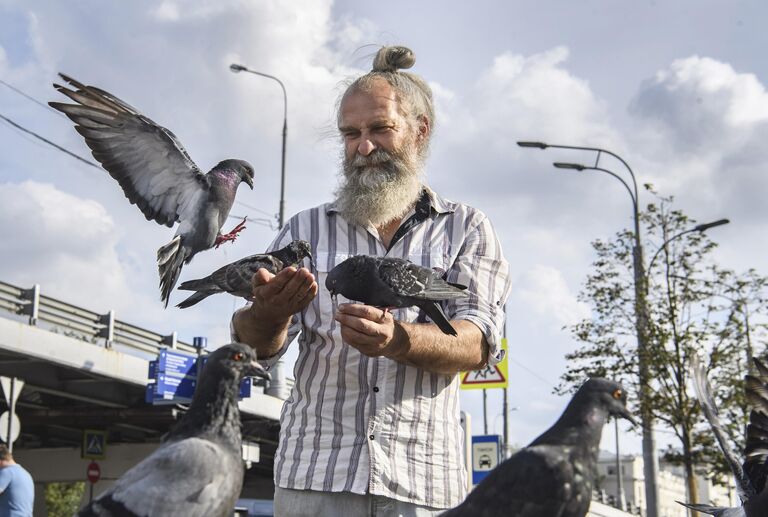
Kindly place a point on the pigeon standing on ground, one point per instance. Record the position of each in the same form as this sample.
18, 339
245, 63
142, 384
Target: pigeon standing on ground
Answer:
198, 470
157, 175
750, 475
552, 477
237, 278
394, 283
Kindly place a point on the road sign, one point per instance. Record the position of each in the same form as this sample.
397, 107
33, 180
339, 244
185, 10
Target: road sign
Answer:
15, 427
11, 389
93, 472
486, 454
495, 376
94, 444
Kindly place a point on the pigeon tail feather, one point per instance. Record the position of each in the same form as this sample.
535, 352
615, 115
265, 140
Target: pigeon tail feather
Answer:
199, 284
705, 508
195, 298
438, 317
170, 260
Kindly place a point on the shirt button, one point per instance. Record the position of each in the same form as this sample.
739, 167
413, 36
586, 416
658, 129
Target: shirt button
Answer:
371, 437
375, 389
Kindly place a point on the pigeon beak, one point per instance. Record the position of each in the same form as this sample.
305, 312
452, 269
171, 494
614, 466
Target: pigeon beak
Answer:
624, 412
248, 181
312, 262
256, 370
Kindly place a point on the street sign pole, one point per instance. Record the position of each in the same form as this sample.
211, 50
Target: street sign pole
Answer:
11, 389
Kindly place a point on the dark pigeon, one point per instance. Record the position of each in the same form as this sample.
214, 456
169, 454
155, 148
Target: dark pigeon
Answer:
750, 475
393, 283
553, 476
157, 175
236, 278
198, 470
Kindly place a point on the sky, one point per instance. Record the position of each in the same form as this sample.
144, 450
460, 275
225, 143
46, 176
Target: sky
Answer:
676, 88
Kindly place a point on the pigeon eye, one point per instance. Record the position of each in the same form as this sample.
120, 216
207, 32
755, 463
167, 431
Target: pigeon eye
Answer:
238, 356
617, 393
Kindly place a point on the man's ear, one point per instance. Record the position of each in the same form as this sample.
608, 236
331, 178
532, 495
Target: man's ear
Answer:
424, 128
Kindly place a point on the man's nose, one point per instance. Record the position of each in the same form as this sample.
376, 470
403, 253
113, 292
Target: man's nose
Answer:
366, 147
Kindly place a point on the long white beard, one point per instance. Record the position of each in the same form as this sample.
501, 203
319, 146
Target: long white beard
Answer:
380, 187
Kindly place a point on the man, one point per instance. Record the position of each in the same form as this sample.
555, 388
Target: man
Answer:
17, 490
372, 424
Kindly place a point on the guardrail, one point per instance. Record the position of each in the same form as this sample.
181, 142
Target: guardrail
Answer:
103, 329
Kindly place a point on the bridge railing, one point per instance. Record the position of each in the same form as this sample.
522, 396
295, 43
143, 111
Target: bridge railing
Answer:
104, 329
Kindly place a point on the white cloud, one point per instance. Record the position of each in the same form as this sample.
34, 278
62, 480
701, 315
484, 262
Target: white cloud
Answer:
544, 290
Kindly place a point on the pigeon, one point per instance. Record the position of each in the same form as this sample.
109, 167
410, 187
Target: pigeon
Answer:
157, 175
394, 283
198, 470
750, 475
553, 476
236, 278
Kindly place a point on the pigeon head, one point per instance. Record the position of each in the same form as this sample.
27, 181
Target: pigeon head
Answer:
342, 278
242, 168
301, 250
608, 395
234, 360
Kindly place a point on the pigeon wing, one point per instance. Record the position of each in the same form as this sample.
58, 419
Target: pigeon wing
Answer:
408, 279
756, 450
150, 164
237, 278
704, 393
531, 483
192, 478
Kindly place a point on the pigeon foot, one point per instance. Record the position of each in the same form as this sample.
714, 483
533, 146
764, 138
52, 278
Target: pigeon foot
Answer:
232, 235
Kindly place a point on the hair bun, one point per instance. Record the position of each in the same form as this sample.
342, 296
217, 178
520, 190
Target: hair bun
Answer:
392, 59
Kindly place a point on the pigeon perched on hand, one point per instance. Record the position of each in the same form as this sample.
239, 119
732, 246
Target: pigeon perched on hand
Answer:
237, 278
157, 175
750, 475
553, 476
198, 470
390, 282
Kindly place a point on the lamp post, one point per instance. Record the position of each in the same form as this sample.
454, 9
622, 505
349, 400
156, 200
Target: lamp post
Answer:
650, 459
235, 68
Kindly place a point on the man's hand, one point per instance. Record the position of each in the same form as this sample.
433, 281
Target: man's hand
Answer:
373, 331
278, 297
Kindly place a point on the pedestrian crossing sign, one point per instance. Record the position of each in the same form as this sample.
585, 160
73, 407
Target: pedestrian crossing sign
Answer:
495, 376
94, 444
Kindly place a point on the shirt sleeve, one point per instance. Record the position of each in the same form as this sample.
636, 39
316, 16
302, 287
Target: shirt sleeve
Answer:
283, 239
481, 266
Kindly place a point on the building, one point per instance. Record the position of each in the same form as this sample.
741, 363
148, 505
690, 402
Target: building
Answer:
671, 485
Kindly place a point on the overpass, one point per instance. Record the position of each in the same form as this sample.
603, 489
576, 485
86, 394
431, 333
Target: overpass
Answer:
88, 371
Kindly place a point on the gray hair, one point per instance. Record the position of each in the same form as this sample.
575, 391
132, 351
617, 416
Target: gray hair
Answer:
413, 93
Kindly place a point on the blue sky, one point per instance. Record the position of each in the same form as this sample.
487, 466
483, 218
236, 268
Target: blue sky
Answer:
677, 88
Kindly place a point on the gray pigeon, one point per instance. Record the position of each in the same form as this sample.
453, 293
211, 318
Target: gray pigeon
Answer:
750, 475
157, 175
236, 278
552, 477
392, 283
198, 470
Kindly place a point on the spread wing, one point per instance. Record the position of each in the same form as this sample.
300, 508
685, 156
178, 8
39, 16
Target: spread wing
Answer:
192, 477
756, 450
146, 159
703, 392
408, 279
529, 484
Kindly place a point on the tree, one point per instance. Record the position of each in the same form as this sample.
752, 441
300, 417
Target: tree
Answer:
63, 499
694, 307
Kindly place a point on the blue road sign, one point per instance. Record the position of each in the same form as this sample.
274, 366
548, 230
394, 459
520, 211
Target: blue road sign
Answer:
173, 378
486, 454
94, 444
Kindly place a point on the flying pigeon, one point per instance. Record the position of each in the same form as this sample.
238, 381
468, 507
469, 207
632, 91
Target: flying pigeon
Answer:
552, 477
198, 470
750, 475
393, 283
236, 278
157, 175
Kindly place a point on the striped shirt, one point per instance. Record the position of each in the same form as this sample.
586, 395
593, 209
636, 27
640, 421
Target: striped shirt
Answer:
372, 425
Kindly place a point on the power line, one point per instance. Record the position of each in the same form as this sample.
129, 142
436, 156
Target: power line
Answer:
63, 150
254, 208
27, 96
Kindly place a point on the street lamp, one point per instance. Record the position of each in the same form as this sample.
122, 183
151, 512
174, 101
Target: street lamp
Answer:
698, 228
235, 68
650, 459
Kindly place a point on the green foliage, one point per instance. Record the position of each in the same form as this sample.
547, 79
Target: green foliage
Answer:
694, 307
63, 499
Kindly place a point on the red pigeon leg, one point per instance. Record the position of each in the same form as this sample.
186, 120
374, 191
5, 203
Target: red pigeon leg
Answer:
232, 235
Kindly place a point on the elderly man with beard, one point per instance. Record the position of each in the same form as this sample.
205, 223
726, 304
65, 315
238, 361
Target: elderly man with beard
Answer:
372, 424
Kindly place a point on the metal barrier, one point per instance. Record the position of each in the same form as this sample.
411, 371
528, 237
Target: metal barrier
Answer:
104, 329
